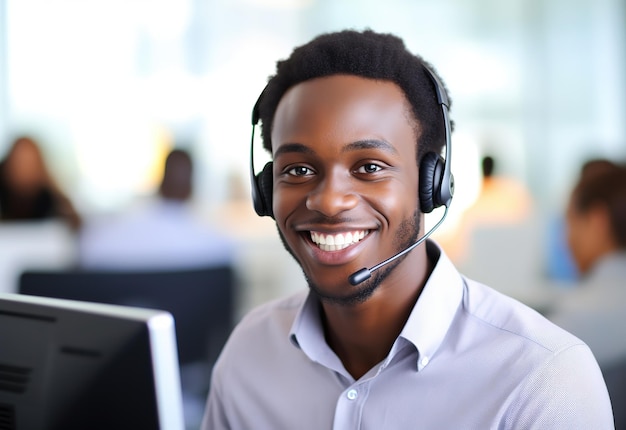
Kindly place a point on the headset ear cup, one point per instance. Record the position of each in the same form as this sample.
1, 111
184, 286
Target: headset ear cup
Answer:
265, 186
431, 172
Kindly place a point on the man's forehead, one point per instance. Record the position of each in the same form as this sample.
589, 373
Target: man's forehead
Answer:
337, 91
341, 102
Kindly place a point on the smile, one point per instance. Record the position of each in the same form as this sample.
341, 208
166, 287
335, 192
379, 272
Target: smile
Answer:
336, 242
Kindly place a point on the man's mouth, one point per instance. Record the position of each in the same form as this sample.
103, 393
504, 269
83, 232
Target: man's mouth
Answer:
336, 242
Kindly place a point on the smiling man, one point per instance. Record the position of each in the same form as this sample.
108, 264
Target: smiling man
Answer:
356, 125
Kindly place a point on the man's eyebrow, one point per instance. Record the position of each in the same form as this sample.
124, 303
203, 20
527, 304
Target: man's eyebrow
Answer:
353, 146
370, 144
291, 148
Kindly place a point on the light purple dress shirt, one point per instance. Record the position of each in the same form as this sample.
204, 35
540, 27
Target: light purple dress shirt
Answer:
467, 358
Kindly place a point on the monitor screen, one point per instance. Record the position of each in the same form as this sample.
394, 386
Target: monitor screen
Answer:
68, 364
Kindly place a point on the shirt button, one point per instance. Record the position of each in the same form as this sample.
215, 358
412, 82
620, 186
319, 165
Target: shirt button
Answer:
352, 394
425, 361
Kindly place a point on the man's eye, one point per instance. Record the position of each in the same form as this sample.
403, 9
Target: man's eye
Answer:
369, 168
299, 171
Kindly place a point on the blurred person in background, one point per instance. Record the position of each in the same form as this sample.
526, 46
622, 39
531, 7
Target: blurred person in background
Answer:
502, 199
166, 233
501, 202
595, 309
27, 189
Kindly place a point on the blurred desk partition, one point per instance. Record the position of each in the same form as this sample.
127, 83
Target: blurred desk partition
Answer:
33, 245
510, 259
201, 300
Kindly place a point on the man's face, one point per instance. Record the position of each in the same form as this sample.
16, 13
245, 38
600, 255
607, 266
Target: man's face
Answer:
345, 180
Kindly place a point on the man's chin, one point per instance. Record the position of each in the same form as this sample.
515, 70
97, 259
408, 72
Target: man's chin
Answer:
354, 294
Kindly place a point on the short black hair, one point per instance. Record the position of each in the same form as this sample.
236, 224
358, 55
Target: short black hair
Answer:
367, 54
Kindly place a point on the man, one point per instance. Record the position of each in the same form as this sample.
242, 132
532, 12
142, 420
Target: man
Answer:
353, 120
596, 235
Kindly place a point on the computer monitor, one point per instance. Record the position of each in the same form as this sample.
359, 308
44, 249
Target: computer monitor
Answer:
68, 364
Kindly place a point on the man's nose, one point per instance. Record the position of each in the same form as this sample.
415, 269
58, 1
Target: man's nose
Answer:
333, 194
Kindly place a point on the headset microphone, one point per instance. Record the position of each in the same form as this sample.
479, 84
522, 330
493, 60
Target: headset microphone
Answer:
365, 273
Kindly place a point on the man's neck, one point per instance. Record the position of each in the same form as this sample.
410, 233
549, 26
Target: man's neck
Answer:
362, 335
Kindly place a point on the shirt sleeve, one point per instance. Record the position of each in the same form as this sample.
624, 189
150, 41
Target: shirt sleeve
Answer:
568, 392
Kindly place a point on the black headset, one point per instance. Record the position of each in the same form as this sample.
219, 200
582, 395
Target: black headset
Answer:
436, 182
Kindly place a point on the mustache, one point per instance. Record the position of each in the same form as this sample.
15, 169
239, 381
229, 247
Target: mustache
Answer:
321, 219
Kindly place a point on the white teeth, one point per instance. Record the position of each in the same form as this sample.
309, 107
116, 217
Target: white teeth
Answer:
335, 242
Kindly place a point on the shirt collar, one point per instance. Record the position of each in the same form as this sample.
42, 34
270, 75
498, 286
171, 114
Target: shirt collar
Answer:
307, 333
425, 328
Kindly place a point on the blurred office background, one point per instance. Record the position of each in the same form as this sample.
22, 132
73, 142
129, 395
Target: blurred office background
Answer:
108, 87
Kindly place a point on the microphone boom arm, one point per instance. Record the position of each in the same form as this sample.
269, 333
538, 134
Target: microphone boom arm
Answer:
365, 273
